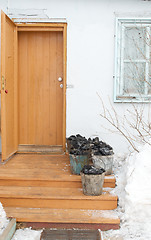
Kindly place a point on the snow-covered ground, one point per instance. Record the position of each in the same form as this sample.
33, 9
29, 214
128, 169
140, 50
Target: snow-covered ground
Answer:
27, 234
133, 174
3, 220
21, 234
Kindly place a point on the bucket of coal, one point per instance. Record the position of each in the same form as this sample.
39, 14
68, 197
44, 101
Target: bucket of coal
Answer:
92, 180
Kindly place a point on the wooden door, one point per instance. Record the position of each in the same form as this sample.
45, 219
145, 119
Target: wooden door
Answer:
8, 87
40, 64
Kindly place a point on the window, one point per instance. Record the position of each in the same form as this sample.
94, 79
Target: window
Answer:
133, 60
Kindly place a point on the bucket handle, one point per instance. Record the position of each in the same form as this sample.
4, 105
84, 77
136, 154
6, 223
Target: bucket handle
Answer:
103, 163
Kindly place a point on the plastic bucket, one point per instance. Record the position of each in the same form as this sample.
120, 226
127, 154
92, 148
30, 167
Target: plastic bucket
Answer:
92, 184
105, 162
77, 162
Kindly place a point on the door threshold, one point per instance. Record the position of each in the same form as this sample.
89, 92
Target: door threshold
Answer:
40, 149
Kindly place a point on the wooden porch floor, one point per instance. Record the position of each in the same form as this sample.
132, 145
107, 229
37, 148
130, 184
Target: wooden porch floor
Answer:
42, 170
40, 188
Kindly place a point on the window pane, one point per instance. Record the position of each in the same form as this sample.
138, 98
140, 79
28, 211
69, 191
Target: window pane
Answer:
134, 75
135, 43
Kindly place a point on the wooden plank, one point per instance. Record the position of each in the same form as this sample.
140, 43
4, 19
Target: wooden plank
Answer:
44, 177
39, 79
31, 79
9, 230
23, 87
53, 93
46, 183
40, 29
16, 88
62, 215
36, 183
51, 193
46, 91
59, 203
59, 90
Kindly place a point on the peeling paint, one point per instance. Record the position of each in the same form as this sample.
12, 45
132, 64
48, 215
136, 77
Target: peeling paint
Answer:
32, 13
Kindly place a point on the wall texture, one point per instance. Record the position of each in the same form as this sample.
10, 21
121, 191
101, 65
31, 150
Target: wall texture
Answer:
90, 57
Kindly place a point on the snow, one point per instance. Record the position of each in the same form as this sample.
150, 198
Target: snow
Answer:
134, 191
3, 219
27, 234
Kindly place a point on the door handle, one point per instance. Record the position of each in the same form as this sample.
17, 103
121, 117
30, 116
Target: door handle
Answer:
61, 85
60, 79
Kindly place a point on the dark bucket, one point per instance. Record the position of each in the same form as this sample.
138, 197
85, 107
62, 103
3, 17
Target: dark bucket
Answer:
77, 162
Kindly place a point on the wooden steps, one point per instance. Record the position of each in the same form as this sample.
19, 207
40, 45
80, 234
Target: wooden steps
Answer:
40, 188
43, 197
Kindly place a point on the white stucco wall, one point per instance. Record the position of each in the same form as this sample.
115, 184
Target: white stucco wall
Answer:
90, 58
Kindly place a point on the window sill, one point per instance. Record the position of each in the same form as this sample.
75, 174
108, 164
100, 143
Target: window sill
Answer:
132, 99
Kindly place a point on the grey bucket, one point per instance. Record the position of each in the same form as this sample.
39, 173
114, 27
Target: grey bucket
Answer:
105, 162
92, 184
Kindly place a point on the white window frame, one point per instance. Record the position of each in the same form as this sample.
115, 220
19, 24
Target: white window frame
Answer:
118, 76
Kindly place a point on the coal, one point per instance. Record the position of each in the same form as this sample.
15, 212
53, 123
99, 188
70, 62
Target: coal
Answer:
79, 145
72, 137
101, 148
90, 170
104, 151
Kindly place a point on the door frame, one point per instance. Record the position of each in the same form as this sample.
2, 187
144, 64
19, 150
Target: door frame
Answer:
37, 26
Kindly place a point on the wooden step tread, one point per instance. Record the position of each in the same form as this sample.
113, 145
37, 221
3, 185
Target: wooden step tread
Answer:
53, 177
62, 215
40, 167
51, 193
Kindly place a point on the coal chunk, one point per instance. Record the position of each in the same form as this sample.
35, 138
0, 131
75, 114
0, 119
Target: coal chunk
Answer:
90, 170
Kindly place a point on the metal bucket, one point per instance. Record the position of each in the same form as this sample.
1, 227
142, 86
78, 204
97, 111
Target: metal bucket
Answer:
77, 162
105, 162
92, 184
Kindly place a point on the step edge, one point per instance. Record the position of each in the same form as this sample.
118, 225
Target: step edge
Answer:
107, 180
